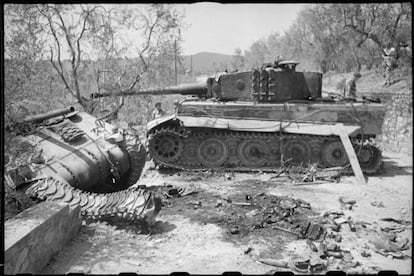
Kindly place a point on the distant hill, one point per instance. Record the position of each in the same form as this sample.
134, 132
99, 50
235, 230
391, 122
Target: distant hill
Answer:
207, 63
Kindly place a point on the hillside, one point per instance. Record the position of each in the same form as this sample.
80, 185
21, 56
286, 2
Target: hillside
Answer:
371, 82
206, 62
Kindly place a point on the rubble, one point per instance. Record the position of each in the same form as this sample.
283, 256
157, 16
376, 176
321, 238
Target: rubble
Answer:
399, 221
312, 246
274, 262
326, 235
378, 204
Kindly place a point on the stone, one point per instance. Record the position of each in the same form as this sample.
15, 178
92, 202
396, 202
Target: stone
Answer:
36, 234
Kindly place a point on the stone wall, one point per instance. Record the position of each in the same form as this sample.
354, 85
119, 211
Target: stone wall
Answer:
36, 234
397, 130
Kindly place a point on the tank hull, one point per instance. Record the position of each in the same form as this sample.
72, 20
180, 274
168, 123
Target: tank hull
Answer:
78, 159
248, 136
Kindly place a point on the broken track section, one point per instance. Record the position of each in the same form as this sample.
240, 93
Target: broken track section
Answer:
133, 204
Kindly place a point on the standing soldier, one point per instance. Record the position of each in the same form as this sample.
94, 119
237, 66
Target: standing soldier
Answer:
158, 112
350, 86
389, 55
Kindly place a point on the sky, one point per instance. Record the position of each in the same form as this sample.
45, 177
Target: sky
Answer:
221, 28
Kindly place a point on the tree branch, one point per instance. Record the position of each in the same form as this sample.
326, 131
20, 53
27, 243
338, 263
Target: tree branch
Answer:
61, 74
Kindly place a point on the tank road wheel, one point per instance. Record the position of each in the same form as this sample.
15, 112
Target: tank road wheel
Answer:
297, 150
274, 151
212, 152
189, 155
232, 144
369, 158
334, 154
166, 146
253, 153
315, 144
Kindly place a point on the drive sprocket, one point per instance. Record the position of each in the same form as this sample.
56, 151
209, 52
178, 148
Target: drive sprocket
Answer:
369, 157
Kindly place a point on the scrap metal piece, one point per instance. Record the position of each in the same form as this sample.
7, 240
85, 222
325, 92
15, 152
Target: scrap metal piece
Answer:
313, 231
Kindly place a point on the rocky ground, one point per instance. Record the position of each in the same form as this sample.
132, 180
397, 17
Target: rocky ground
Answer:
238, 221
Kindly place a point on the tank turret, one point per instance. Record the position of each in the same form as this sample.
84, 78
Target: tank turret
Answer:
270, 84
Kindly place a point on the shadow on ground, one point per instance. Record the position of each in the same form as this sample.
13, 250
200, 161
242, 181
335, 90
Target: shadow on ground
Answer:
392, 168
161, 227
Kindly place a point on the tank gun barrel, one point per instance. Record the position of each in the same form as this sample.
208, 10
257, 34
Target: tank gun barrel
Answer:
48, 115
183, 89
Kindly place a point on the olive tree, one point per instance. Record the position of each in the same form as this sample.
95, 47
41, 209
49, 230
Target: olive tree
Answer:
81, 42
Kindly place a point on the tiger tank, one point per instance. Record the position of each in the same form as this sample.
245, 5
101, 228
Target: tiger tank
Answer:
262, 119
73, 157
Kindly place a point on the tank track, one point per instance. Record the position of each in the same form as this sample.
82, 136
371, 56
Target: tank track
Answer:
201, 149
131, 204
137, 156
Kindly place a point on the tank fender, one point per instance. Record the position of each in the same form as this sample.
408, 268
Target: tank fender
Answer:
153, 123
269, 126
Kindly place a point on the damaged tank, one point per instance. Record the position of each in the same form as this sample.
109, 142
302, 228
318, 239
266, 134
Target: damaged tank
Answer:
261, 120
73, 157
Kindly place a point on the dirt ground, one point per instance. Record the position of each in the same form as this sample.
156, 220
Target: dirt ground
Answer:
208, 232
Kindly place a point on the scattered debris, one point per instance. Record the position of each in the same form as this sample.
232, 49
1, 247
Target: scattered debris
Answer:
351, 224
248, 250
229, 176
219, 203
312, 175
378, 204
312, 246
335, 254
365, 254
322, 250
196, 203
242, 203
399, 221
274, 262
389, 245
180, 191
338, 237
285, 230
312, 265
313, 231
252, 213
340, 220
310, 183
234, 231
344, 200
